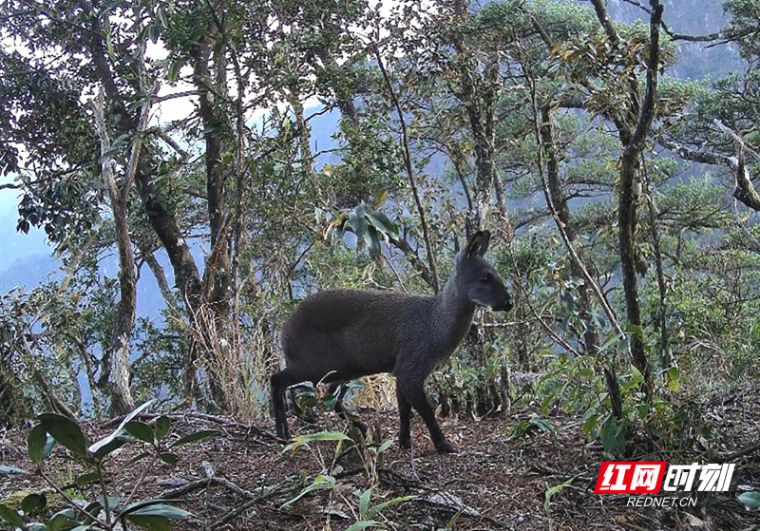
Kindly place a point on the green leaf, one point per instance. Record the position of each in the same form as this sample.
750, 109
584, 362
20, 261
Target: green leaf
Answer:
162, 425
613, 436
610, 342
35, 443
169, 458
66, 432
86, 479
133, 507
153, 31
589, 424
194, 437
554, 490
543, 424
7, 469
364, 524
10, 516
634, 330
380, 507
62, 520
380, 198
111, 152
109, 444
153, 523
372, 241
140, 430
320, 482
381, 222
93, 509
117, 439
174, 70
364, 500
160, 509
112, 502
162, 19
134, 414
384, 447
33, 502
303, 440
357, 223
751, 500
107, 35
106, 7
673, 377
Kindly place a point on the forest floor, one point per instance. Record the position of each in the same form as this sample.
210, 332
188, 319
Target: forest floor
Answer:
494, 482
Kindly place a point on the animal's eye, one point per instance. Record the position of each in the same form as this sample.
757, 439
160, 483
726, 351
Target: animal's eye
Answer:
485, 278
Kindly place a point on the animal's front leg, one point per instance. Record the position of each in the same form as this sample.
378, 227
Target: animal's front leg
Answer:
405, 414
414, 392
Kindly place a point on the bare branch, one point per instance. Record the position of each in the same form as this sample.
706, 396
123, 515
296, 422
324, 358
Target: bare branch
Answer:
410, 170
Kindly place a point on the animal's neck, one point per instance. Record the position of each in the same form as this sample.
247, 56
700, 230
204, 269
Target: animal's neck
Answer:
454, 310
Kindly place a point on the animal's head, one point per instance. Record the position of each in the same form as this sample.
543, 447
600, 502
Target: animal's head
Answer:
478, 279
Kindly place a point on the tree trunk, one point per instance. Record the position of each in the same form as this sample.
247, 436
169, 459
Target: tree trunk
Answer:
662, 288
630, 189
217, 279
121, 397
633, 131
627, 222
556, 187
116, 369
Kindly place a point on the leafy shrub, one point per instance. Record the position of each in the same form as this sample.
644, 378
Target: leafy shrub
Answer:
103, 511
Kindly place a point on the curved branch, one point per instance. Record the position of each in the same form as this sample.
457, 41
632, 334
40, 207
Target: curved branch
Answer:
410, 171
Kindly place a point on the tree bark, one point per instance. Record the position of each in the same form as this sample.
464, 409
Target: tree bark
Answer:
116, 361
630, 189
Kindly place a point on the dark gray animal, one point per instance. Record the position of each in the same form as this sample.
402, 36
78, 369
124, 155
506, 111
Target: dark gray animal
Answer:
336, 336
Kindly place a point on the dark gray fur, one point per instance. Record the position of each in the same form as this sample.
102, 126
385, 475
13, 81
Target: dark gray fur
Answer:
340, 335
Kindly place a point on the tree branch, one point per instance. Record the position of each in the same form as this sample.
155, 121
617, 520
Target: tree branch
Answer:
410, 171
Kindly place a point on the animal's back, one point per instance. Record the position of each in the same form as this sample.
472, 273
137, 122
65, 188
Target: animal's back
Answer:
353, 333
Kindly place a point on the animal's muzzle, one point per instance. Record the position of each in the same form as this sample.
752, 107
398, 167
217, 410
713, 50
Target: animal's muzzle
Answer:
503, 307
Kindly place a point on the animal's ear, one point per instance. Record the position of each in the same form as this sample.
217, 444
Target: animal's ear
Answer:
478, 244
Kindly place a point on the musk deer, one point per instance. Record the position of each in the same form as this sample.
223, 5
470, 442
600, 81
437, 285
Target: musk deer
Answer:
336, 336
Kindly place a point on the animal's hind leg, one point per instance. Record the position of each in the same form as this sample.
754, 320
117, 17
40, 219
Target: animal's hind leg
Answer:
340, 408
278, 384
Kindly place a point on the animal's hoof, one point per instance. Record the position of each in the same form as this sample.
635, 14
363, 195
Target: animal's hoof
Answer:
362, 427
445, 447
405, 443
283, 433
